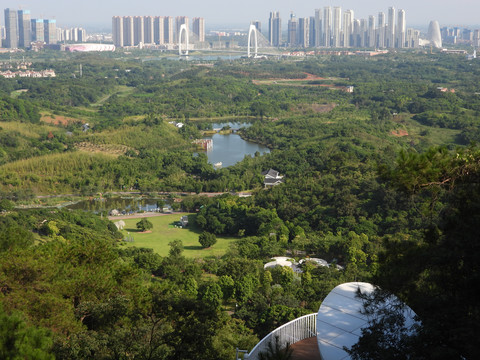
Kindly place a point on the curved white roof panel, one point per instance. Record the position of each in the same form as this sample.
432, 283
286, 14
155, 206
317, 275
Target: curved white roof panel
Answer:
340, 322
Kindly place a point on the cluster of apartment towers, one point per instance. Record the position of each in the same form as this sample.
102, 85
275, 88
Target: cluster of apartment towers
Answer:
21, 30
153, 30
341, 30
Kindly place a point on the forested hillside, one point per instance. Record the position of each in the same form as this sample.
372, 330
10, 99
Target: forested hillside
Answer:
381, 182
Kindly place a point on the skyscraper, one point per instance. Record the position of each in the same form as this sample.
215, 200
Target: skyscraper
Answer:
347, 28
179, 21
292, 30
390, 35
381, 30
372, 36
11, 21
168, 30
38, 32
159, 30
337, 26
412, 38
24, 28
198, 25
401, 29
138, 30
275, 29
128, 31
312, 32
50, 31
318, 27
327, 26
148, 30
303, 32
434, 34
117, 31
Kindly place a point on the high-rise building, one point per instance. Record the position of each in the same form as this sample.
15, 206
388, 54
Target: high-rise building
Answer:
11, 26
168, 30
81, 35
337, 26
381, 30
128, 39
412, 38
38, 30
148, 30
303, 32
159, 30
275, 29
347, 28
327, 26
372, 35
401, 29
357, 33
390, 34
179, 21
138, 31
50, 31
117, 31
363, 32
312, 32
434, 34
24, 28
292, 30
198, 25
318, 27
476, 38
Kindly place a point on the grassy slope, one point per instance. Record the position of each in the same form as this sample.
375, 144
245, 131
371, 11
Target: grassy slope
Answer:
164, 232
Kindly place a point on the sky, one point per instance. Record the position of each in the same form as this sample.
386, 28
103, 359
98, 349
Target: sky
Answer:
221, 13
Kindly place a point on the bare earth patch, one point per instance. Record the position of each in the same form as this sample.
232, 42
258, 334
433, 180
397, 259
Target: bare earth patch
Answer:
399, 133
59, 120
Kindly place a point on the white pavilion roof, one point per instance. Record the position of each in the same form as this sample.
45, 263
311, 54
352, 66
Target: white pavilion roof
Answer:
340, 322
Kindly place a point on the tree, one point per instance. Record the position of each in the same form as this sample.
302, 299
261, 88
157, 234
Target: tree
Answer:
207, 239
144, 225
20, 341
6, 205
275, 351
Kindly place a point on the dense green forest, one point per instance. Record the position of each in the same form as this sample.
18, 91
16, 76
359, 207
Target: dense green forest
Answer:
382, 182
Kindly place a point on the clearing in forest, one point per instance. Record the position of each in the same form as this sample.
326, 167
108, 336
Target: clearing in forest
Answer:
58, 119
164, 232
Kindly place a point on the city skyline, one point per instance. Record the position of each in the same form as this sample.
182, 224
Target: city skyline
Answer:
218, 13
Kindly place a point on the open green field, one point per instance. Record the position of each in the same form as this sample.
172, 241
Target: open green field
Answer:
164, 231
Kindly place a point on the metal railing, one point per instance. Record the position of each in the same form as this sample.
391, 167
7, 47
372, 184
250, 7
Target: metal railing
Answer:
296, 330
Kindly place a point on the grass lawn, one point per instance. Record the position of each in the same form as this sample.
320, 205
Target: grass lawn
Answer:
164, 231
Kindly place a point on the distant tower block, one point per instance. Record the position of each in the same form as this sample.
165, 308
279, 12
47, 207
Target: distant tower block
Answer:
183, 30
252, 29
434, 35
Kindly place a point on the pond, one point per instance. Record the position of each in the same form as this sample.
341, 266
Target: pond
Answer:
231, 149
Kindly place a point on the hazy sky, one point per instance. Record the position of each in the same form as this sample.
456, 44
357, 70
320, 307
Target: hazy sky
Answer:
239, 13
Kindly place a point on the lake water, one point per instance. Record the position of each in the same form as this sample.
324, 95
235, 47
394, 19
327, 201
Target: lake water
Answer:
230, 149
